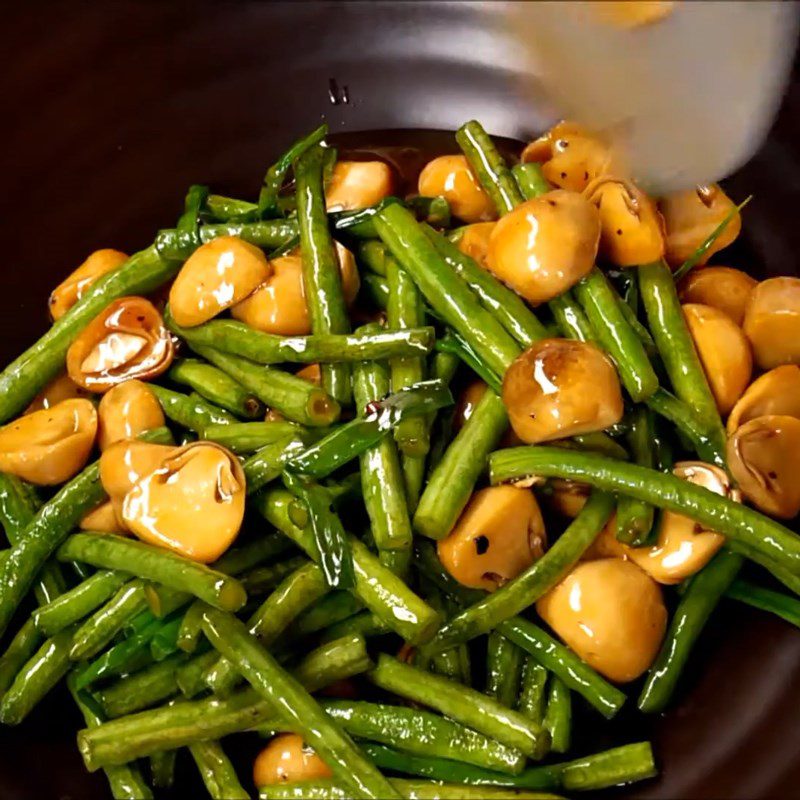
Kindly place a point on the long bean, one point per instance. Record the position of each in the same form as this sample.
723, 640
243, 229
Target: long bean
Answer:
18, 506
276, 174
162, 769
334, 607
382, 480
452, 343
264, 547
782, 605
558, 715
490, 167
444, 290
382, 592
503, 669
26, 375
24, 644
45, 532
406, 310
191, 630
294, 595
322, 277
269, 461
244, 438
464, 705
125, 780
145, 688
36, 678
99, 629
691, 615
284, 692
270, 234
615, 334
452, 481
422, 732
331, 543
376, 289
192, 413
165, 728
509, 308
676, 348
531, 584
165, 641
734, 520
230, 336
155, 564
532, 696
127, 656
563, 663
217, 772
264, 579
571, 318
635, 517
684, 418
191, 677
364, 624
620, 765
411, 789
296, 399
217, 387
530, 179
78, 602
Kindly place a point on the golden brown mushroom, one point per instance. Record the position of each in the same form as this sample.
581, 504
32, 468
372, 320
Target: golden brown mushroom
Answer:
358, 184
219, 274
724, 352
49, 446
127, 340
559, 388
123, 464
611, 614
632, 229
774, 392
469, 398
691, 216
452, 177
193, 503
103, 519
764, 458
719, 287
772, 322
125, 411
279, 304
60, 388
566, 497
570, 156
545, 245
474, 241
287, 759
684, 546
499, 534
69, 291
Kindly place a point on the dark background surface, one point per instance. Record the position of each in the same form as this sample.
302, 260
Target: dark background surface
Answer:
112, 109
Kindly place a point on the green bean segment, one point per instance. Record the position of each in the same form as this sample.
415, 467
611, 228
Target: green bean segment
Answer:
230, 336
156, 564
462, 704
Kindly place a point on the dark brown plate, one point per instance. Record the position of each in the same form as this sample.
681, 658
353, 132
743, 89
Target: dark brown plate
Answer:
113, 109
